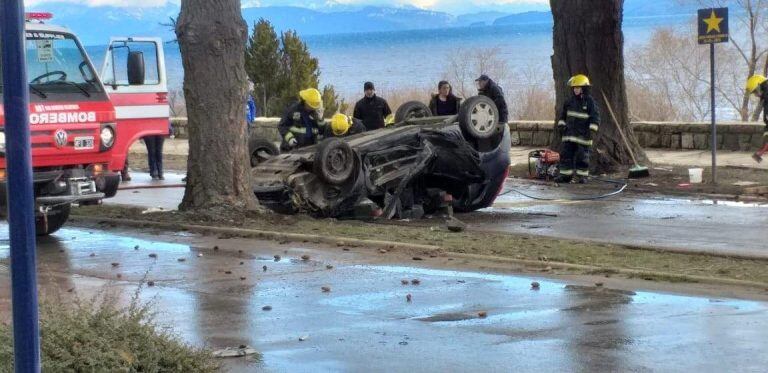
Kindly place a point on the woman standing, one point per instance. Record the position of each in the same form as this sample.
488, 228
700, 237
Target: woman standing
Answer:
444, 102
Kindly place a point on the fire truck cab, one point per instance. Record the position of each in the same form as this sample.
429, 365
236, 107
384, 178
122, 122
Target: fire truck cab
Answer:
81, 129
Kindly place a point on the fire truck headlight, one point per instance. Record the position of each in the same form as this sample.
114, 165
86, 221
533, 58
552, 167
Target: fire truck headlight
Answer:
107, 136
2, 142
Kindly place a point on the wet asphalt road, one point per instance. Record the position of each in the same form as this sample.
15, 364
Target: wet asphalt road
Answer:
365, 324
628, 219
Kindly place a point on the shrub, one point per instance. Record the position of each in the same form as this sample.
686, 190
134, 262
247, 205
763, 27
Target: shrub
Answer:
98, 335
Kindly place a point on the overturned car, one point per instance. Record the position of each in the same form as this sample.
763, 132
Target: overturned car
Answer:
418, 166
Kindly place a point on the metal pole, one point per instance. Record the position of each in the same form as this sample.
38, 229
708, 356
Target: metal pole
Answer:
714, 124
21, 207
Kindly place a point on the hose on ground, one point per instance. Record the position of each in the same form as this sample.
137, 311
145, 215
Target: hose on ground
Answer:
622, 186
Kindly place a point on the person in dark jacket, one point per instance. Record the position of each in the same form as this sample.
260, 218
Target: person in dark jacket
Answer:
579, 119
488, 88
301, 123
758, 85
444, 102
373, 110
343, 126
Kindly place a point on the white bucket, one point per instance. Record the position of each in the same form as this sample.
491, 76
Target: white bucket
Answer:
696, 175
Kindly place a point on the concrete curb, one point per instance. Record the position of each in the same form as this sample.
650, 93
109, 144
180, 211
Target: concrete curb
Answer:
255, 233
341, 241
559, 265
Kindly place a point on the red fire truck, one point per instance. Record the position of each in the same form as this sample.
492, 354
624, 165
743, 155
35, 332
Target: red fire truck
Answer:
82, 124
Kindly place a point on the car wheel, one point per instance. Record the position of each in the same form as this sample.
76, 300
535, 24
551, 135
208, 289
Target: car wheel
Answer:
334, 161
479, 117
56, 217
410, 110
261, 149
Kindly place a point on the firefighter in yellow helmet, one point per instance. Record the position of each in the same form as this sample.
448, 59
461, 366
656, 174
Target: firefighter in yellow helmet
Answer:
342, 126
758, 85
302, 121
579, 120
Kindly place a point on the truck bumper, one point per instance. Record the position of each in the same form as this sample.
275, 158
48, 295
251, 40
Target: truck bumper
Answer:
59, 187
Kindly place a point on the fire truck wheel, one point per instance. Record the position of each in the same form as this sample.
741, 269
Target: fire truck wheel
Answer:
335, 161
261, 149
56, 218
111, 183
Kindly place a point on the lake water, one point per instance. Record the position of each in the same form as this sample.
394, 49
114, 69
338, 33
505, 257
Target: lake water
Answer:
405, 59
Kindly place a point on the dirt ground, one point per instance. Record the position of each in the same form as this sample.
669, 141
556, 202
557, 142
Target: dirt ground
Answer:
138, 162
673, 267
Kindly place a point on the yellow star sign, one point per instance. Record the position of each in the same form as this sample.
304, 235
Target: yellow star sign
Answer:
713, 23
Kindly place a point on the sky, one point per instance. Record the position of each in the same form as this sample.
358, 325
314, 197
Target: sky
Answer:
450, 6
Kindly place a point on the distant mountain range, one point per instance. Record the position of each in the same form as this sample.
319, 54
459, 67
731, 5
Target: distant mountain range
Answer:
94, 25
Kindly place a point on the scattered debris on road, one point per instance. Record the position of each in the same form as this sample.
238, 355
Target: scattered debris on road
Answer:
230, 352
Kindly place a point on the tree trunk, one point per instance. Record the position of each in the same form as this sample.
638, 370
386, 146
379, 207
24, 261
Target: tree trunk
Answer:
588, 40
212, 36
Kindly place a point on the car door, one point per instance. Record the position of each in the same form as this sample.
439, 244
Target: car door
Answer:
140, 96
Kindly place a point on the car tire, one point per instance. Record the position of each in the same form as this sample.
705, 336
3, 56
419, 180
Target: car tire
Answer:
261, 149
334, 161
479, 118
410, 110
57, 216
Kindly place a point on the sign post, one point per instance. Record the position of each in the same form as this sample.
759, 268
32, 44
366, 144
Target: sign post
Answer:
21, 207
713, 29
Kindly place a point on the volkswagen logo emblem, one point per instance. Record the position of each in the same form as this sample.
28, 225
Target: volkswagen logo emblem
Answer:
61, 138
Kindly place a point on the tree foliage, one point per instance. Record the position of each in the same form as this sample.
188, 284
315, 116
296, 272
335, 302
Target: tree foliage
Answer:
281, 66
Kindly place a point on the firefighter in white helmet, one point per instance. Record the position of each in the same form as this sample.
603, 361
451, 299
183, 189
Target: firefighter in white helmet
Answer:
302, 121
579, 120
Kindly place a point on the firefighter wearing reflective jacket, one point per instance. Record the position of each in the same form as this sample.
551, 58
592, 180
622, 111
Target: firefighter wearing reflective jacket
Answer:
579, 119
301, 123
758, 85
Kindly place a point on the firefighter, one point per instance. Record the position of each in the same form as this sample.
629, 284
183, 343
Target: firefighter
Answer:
373, 110
579, 119
488, 88
342, 126
758, 85
301, 123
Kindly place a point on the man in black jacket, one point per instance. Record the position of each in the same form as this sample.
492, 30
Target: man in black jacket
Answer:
758, 85
373, 110
488, 88
579, 119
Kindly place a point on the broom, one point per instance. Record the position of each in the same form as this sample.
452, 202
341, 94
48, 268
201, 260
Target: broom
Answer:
637, 171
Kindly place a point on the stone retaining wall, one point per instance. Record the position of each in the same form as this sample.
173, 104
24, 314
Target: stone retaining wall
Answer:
684, 136
676, 136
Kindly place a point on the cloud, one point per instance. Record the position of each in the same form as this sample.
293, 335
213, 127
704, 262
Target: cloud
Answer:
451, 6
117, 3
